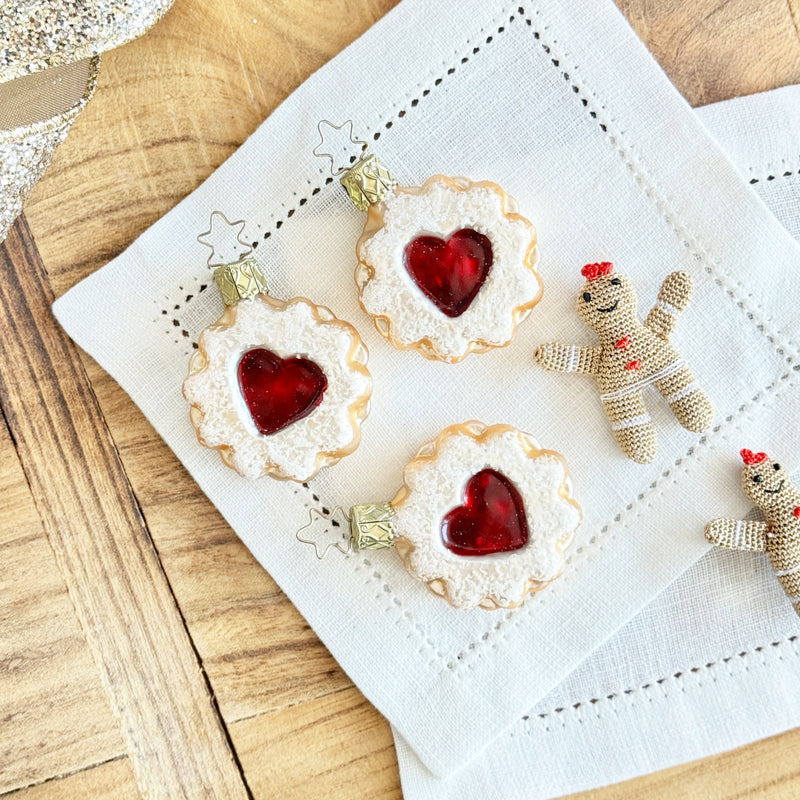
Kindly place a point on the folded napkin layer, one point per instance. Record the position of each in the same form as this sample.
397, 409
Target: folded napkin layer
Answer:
713, 662
564, 108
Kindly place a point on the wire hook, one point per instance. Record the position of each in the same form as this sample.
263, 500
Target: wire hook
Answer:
324, 154
219, 239
344, 549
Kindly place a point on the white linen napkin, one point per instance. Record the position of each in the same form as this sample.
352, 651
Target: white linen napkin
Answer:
562, 106
713, 662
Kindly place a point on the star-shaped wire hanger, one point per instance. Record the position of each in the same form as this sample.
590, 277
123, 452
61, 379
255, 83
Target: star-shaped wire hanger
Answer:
324, 531
338, 141
225, 240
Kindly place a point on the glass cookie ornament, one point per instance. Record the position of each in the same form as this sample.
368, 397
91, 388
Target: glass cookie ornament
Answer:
483, 517
279, 388
447, 268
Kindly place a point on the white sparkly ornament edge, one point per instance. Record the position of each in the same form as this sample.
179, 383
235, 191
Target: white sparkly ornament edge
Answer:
400, 310
219, 414
40, 34
25, 152
433, 485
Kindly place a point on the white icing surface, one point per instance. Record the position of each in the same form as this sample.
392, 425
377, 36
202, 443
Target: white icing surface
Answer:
441, 210
289, 331
438, 486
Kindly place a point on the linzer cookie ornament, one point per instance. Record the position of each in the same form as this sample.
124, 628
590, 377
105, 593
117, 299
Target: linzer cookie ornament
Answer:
482, 519
447, 268
279, 388
632, 356
766, 483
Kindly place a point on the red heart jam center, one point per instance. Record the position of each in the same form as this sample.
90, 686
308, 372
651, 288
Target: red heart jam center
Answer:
279, 391
450, 273
492, 519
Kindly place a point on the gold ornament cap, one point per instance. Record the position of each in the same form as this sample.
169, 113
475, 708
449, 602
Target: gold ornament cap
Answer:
372, 526
368, 182
240, 281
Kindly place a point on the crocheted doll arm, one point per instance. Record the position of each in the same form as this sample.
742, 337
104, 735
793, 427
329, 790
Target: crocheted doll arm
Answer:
673, 296
568, 358
738, 534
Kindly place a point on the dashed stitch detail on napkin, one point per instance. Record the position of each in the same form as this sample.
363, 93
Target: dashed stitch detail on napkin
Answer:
653, 192
170, 316
501, 630
395, 606
787, 174
666, 683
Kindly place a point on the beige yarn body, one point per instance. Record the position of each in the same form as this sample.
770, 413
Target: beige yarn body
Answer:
632, 356
779, 535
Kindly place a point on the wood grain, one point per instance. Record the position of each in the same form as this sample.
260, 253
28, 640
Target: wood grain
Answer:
42, 645
333, 746
169, 109
714, 50
113, 780
765, 770
104, 552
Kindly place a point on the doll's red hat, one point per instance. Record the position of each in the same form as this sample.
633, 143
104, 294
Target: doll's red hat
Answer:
593, 271
750, 458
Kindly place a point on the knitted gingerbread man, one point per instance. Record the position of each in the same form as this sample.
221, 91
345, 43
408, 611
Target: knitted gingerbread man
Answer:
767, 485
631, 356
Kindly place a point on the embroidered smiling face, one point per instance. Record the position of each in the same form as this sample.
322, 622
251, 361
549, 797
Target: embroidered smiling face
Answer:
763, 480
606, 300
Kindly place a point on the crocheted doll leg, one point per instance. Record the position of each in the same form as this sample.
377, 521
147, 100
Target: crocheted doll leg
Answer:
689, 403
632, 426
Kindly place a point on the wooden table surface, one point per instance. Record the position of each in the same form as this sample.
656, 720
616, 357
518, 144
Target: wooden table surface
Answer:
143, 651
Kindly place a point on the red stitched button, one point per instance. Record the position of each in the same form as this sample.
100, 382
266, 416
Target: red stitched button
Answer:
632, 365
623, 343
797, 511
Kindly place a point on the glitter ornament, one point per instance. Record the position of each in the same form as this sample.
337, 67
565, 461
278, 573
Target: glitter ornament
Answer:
279, 388
49, 63
483, 517
447, 268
